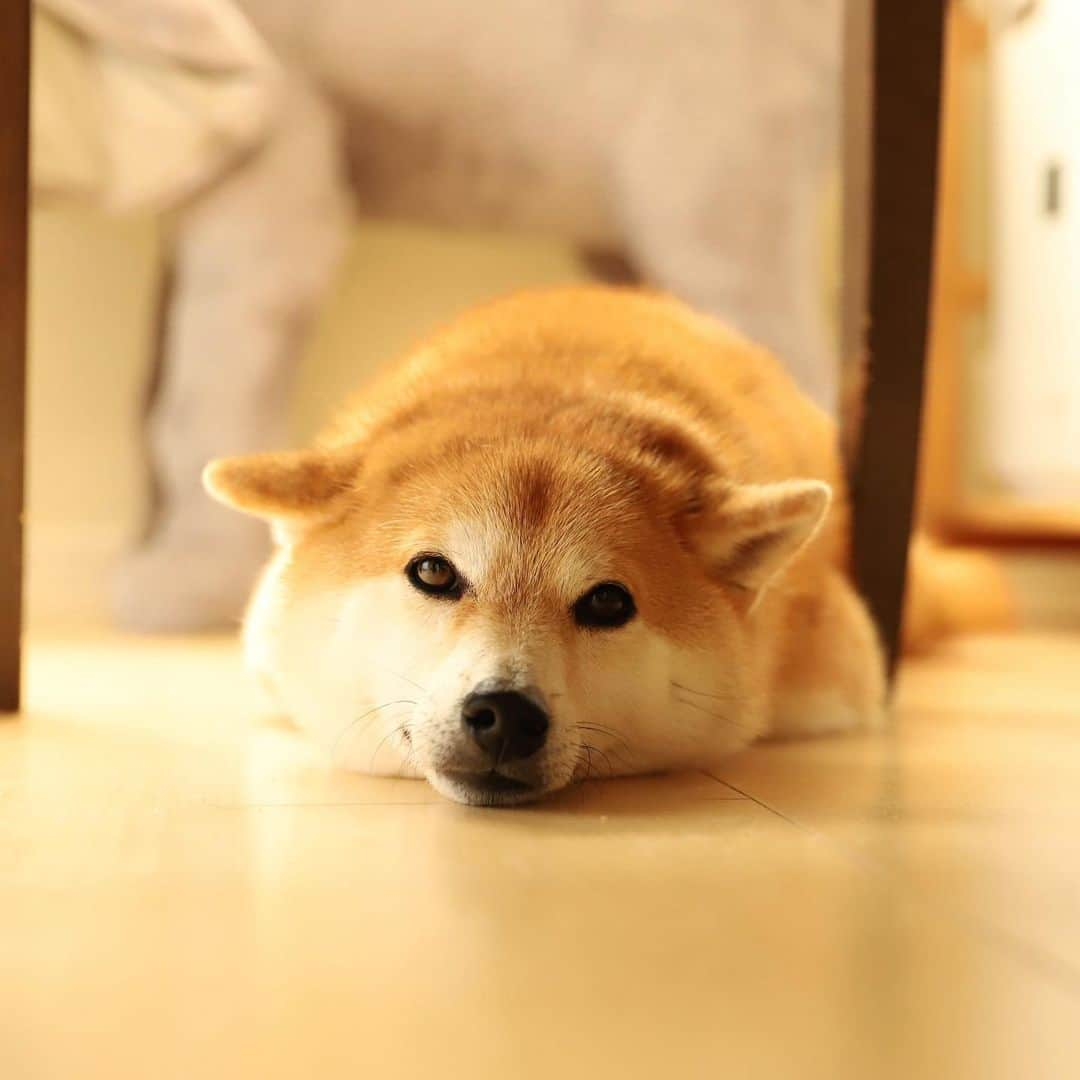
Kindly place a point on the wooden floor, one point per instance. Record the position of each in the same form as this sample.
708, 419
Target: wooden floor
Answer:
185, 892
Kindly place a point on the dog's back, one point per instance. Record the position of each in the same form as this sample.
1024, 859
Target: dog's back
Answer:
627, 369
641, 353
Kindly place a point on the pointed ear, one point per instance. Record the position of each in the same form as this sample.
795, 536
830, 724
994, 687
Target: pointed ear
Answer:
757, 529
289, 485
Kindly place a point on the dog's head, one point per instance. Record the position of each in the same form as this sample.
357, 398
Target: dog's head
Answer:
506, 614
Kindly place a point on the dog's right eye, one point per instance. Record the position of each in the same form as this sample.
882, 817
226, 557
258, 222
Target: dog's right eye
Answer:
606, 606
434, 575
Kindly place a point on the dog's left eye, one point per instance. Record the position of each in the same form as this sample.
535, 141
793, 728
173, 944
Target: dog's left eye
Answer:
606, 605
434, 575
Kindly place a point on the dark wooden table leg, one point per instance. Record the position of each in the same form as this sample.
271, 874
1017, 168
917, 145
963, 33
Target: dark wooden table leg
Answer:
902, 55
14, 145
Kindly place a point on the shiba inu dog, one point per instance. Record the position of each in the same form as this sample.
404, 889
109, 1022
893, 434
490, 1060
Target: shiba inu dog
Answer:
582, 531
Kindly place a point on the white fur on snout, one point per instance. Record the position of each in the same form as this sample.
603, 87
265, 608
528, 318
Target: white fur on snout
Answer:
359, 667
377, 673
343, 665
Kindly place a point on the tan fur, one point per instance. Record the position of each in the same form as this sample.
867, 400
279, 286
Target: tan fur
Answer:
546, 442
952, 591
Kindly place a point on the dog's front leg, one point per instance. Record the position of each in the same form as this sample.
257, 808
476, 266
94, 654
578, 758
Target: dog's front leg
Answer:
251, 261
831, 675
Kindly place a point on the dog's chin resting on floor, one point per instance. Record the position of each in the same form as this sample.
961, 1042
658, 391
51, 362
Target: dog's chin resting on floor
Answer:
577, 532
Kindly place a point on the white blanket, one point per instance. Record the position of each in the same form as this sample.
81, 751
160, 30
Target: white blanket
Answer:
137, 104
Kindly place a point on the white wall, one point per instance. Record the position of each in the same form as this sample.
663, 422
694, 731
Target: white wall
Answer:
1033, 400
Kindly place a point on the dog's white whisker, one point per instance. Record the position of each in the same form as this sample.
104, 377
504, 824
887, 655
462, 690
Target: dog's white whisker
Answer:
714, 715
396, 732
620, 748
607, 760
371, 713
404, 678
698, 693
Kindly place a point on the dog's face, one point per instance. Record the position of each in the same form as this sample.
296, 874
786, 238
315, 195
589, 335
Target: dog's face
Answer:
504, 621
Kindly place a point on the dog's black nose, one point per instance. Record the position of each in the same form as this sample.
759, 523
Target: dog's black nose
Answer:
506, 724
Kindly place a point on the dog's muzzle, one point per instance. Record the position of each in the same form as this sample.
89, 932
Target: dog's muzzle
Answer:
503, 731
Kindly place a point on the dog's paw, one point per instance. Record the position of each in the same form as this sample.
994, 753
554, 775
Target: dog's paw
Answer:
823, 712
167, 586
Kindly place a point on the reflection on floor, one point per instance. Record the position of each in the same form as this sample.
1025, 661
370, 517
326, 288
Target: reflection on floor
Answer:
185, 891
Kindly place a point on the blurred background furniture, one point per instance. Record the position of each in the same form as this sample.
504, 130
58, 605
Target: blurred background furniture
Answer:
14, 142
892, 102
1001, 449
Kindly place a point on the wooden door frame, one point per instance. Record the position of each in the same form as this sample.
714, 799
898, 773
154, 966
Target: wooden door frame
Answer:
14, 181
893, 65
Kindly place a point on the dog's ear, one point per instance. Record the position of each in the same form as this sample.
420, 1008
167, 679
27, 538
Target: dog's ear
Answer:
753, 531
287, 486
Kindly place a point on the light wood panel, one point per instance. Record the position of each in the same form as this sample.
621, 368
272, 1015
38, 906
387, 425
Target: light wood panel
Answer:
186, 891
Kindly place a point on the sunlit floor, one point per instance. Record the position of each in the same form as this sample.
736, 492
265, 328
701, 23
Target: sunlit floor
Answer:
186, 892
